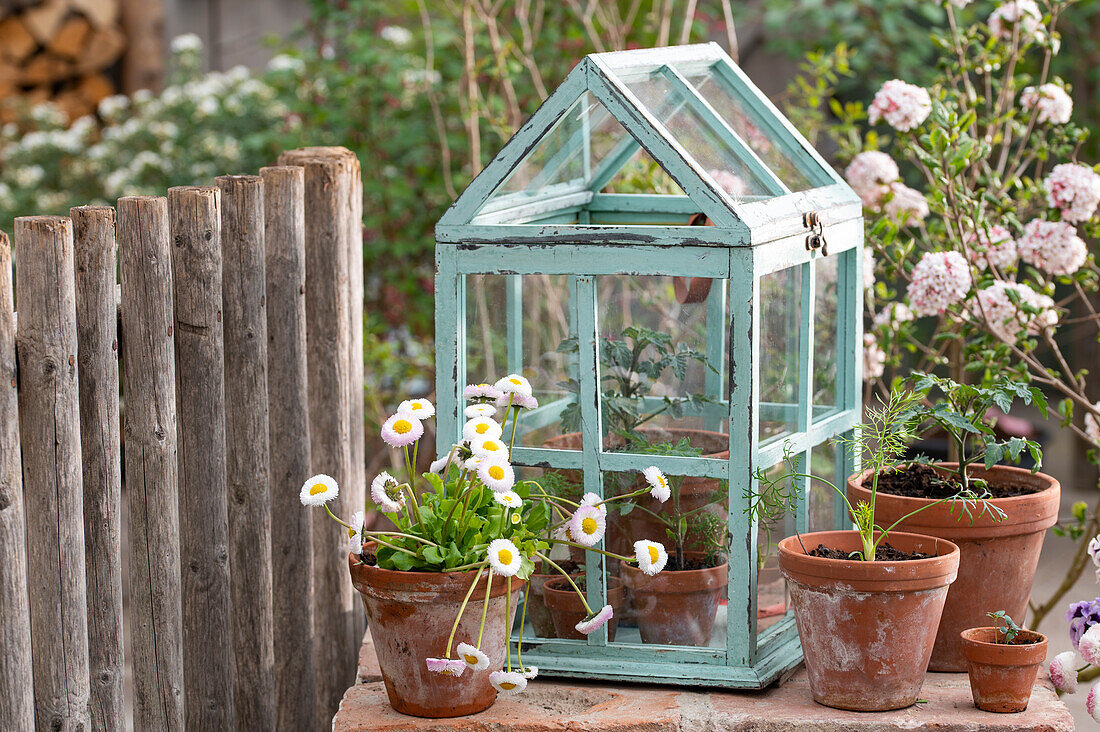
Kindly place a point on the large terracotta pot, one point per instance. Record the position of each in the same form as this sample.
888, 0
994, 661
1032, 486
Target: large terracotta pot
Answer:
1002, 676
410, 616
675, 607
998, 559
566, 608
867, 628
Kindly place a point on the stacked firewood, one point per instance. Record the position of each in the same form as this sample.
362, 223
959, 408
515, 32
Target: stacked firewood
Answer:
59, 50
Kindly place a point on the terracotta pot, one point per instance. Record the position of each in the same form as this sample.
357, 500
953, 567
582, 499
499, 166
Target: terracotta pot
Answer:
537, 612
998, 559
675, 608
867, 628
410, 616
1001, 676
566, 608
693, 289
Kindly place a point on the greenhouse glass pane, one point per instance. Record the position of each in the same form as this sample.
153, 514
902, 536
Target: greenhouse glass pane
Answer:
714, 155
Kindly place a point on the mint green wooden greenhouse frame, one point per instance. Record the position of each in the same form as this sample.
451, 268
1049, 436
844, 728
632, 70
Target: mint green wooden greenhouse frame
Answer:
573, 229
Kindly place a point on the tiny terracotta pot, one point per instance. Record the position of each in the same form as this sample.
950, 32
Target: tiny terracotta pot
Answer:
410, 615
566, 608
997, 561
675, 607
537, 612
1001, 675
867, 628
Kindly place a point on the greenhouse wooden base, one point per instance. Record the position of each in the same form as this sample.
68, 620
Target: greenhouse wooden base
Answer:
555, 705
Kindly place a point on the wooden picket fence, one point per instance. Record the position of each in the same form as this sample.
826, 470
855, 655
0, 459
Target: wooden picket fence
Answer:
237, 330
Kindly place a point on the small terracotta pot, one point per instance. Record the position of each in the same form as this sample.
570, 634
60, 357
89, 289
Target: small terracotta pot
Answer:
998, 558
1002, 676
675, 608
566, 608
410, 615
867, 628
537, 612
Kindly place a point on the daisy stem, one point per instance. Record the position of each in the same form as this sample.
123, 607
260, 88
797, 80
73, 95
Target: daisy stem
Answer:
569, 579
522, 621
507, 614
515, 423
412, 493
462, 608
416, 449
395, 548
339, 521
447, 521
485, 606
412, 499
592, 549
398, 533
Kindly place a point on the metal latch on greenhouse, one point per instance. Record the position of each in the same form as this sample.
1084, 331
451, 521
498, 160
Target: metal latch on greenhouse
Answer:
815, 240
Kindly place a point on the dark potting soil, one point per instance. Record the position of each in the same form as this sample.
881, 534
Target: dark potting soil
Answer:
922, 481
883, 553
688, 563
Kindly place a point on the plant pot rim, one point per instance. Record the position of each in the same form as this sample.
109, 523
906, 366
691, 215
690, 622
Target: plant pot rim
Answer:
565, 598
1026, 514
877, 576
372, 578
978, 647
676, 581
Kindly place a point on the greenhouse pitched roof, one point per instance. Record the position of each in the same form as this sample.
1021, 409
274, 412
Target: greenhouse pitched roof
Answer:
676, 130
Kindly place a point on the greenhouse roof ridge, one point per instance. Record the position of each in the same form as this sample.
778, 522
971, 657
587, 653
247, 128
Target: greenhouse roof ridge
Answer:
633, 143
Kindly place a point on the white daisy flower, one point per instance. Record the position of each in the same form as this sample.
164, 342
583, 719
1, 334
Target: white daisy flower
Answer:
504, 557
591, 499
472, 462
445, 666
489, 447
419, 408
651, 556
510, 499
530, 672
587, 525
355, 534
318, 490
513, 384
508, 682
599, 619
497, 475
385, 492
479, 410
401, 430
439, 467
480, 428
481, 393
658, 484
474, 657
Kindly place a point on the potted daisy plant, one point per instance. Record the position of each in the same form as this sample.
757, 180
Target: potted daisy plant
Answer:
442, 587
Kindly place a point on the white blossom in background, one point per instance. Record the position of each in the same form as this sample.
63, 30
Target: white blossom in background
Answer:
874, 358
1092, 428
961, 3
187, 43
396, 35
993, 246
902, 105
730, 182
1007, 15
906, 205
892, 315
1074, 190
1051, 102
1006, 318
285, 62
939, 280
1052, 246
868, 269
870, 174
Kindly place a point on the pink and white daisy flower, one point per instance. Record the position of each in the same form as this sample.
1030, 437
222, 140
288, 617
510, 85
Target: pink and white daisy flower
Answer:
870, 174
445, 666
479, 410
596, 621
1089, 646
587, 525
591, 499
1008, 15
508, 683
905, 205
939, 280
1074, 190
481, 393
480, 428
385, 491
512, 384
1092, 702
902, 105
1050, 102
475, 658
1052, 246
658, 483
993, 246
489, 447
1063, 672
519, 401
355, 534
420, 408
1006, 319
401, 430
874, 358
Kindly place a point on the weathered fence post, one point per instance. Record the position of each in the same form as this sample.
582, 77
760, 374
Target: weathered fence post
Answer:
49, 409
327, 183
246, 409
16, 678
149, 387
355, 354
97, 338
288, 427
195, 225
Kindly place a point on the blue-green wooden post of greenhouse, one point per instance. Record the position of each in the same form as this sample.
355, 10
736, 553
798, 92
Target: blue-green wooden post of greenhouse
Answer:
557, 202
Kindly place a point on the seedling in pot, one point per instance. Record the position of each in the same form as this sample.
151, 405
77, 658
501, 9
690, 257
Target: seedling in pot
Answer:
881, 440
1007, 630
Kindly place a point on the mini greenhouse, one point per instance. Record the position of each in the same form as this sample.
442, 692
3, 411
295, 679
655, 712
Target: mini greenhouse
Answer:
677, 272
